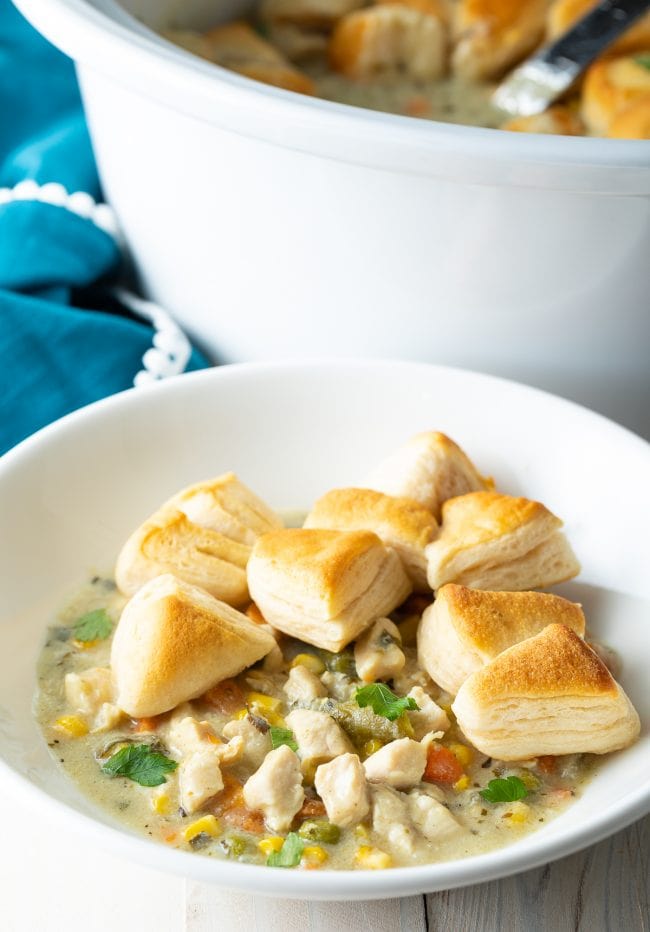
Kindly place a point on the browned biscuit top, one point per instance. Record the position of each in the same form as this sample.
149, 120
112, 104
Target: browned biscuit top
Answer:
493, 621
555, 662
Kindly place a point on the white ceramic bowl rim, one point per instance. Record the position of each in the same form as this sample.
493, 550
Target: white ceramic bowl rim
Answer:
632, 803
113, 43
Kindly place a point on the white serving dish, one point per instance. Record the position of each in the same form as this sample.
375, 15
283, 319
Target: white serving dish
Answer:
275, 225
70, 495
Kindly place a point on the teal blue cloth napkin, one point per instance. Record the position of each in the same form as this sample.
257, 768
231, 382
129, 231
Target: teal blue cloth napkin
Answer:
64, 341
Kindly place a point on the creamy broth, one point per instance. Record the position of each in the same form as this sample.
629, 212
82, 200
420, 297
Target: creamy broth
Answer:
235, 832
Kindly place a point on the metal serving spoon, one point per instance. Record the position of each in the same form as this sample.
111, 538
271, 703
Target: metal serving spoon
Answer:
540, 80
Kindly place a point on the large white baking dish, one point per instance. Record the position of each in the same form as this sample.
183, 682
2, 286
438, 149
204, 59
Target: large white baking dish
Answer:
276, 225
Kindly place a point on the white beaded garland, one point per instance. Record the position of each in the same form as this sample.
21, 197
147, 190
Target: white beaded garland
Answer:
171, 349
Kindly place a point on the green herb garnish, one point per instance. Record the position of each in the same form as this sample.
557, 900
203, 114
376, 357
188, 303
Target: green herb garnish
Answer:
505, 790
280, 736
94, 626
643, 60
139, 763
383, 701
289, 854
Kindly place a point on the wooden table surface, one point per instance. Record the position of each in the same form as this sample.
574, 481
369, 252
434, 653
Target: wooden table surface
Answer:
50, 883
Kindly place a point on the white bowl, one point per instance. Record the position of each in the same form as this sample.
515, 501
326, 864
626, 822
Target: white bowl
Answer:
70, 495
276, 225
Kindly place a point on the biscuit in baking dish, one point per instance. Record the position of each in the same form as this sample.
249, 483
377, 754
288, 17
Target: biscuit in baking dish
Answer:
556, 121
493, 541
175, 641
401, 523
226, 505
168, 542
465, 628
389, 36
239, 48
549, 694
325, 586
564, 13
429, 468
315, 14
633, 122
610, 86
492, 35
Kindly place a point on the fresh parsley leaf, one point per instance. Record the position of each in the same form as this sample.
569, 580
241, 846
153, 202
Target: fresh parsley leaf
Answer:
289, 854
280, 736
643, 60
141, 764
505, 790
383, 701
94, 626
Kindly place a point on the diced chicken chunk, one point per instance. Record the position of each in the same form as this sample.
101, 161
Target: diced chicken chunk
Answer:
199, 778
257, 743
107, 717
276, 788
91, 693
377, 653
341, 784
390, 819
303, 685
400, 763
86, 692
319, 738
429, 717
430, 817
203, 754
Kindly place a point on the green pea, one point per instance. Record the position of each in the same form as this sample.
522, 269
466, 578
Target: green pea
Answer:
320, 830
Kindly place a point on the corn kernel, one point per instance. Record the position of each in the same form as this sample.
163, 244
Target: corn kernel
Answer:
374, 744
241, 714
362, 831
315, 853
72, 726
462, 753
263, 703
372, 858
84, 645
529, 780
314, 664
274, 719
207, 825
517, 813
462, 783
268, 845
161, 803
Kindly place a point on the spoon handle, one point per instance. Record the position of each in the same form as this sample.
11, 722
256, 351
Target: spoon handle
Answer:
540, 80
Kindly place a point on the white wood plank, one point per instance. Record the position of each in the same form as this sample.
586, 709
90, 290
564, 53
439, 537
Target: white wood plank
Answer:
211, 910
603, 889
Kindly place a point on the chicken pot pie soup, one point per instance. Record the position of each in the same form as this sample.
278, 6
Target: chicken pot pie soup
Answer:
435, 59
333, 709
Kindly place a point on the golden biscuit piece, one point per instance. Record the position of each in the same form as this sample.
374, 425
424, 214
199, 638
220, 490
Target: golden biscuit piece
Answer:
226, 505
429, 468
168, 542
387, 37
400, 523
633, 122
493, 541
549, 694
493, 35
564, 13
324, 586
556, 121
174, 642
239, 48
296, 43
465, 628
315, 14
611, 85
